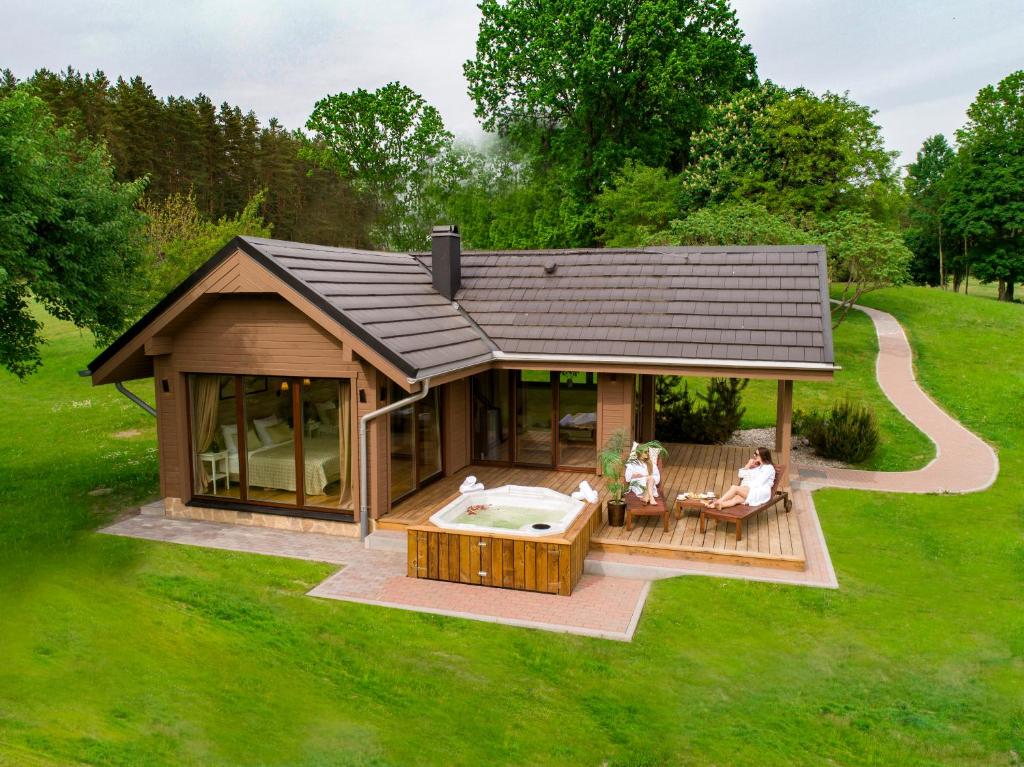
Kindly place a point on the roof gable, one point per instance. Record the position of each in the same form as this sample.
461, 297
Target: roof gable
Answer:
234, 269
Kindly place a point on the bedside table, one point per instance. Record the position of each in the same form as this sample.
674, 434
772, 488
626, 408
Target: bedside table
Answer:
214, 458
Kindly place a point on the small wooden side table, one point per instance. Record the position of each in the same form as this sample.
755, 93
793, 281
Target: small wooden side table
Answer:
688, 504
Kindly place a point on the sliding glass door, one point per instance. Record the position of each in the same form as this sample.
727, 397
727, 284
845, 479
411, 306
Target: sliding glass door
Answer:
534, 408
534, 418
491, 414
272, 441
577, 420
416, 452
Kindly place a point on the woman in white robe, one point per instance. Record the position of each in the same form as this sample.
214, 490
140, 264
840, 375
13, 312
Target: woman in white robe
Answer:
642, 477
756, 480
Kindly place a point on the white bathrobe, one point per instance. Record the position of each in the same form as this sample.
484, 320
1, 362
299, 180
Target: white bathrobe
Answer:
760, 481
637, 470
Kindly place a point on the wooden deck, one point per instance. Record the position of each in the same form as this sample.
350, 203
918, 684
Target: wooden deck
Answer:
772, 538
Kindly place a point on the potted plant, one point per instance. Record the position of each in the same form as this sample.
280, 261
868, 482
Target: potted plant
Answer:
613, 459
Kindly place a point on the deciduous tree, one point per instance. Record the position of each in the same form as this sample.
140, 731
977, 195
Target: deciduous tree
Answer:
390, 144
927, 185
593, 83
986, 201
70, 235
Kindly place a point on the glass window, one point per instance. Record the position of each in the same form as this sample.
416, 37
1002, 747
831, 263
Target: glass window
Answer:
327, 443
577, 419
428, 436
270, 439
403, 438
492, 436
533, 417
214, 435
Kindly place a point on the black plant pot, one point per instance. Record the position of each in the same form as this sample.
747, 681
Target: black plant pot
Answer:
616, 513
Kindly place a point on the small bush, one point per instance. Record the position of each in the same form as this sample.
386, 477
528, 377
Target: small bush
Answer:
709, 421
846, 431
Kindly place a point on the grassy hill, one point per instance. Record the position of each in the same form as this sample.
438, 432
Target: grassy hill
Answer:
125, 652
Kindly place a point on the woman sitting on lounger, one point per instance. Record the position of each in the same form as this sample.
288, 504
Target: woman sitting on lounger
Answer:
756, 480
642, 477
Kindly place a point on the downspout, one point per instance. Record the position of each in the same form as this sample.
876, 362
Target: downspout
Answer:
130, 395
364, 472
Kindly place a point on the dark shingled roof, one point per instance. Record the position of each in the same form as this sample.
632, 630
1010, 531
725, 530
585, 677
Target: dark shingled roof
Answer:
728, 304
389, 299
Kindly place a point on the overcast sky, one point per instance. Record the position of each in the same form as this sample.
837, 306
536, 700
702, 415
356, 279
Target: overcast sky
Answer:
918, 62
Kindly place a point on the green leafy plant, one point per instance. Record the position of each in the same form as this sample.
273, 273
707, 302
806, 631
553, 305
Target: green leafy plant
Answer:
846, 431
613, 459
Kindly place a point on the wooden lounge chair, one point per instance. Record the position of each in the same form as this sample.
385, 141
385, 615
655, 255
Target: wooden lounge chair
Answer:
635, 505
739, 514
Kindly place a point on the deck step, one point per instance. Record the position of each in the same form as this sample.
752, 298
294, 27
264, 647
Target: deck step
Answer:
386, 540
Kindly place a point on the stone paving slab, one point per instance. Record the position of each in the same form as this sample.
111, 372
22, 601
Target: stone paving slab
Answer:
600, 606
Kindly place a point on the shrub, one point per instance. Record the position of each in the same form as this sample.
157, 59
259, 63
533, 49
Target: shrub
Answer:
846, 431
710, 420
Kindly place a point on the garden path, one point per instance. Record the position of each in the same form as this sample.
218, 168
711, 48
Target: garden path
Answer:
963, 462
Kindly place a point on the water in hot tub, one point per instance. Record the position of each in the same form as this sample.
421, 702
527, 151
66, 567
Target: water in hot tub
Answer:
506, 517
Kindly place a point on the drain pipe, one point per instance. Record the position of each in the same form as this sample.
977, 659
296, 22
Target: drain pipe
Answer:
130, 395
364, 471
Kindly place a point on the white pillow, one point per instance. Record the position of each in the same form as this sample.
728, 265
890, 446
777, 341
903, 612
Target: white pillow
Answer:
261, 425
328, 412
230, 438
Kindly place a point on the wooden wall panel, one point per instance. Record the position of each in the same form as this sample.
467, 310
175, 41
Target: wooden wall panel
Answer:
455, 407
614, 405
170, 438
257, 335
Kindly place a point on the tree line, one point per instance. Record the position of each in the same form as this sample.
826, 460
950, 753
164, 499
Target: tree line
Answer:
220, 156
611, 122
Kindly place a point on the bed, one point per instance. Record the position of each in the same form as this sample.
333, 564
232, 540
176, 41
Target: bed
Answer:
273, 466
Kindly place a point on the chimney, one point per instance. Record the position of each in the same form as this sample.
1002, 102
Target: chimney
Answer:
445, 256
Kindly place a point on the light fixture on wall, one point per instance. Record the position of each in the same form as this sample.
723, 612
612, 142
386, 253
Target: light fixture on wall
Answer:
282, 388
305, 382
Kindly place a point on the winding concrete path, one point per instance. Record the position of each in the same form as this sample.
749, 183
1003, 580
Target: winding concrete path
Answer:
963, 462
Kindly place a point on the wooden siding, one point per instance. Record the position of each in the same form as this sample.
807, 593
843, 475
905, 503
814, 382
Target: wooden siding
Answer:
614, 405
456, 426
258, 335
368, 384
171, 440
130, 362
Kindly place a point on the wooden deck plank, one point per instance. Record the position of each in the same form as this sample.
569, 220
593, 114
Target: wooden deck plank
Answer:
770, 538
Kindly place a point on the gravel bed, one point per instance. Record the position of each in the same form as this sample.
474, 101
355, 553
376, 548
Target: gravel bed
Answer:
803, 454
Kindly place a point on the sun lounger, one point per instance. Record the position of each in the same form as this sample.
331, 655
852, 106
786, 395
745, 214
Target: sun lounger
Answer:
739, 514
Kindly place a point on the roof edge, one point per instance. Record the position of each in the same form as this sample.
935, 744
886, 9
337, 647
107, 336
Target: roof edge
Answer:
163, 304
251, 249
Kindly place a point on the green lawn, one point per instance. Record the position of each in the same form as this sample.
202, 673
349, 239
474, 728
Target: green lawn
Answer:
122, 652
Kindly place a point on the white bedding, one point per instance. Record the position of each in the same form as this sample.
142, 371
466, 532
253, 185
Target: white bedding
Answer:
273, 466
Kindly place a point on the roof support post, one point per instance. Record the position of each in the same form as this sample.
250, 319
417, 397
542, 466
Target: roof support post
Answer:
364, 471
784, 425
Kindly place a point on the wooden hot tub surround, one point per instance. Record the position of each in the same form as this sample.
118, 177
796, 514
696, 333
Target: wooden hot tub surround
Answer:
549, 564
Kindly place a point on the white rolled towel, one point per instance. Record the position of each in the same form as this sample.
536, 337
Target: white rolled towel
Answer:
588, 493
471, 488
578, 496
467, 483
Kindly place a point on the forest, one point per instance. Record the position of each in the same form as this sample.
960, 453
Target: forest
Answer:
670, 139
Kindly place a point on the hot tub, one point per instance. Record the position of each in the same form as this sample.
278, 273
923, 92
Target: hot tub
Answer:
532, 511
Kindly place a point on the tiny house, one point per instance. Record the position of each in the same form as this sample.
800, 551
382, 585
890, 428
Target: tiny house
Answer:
315, 387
